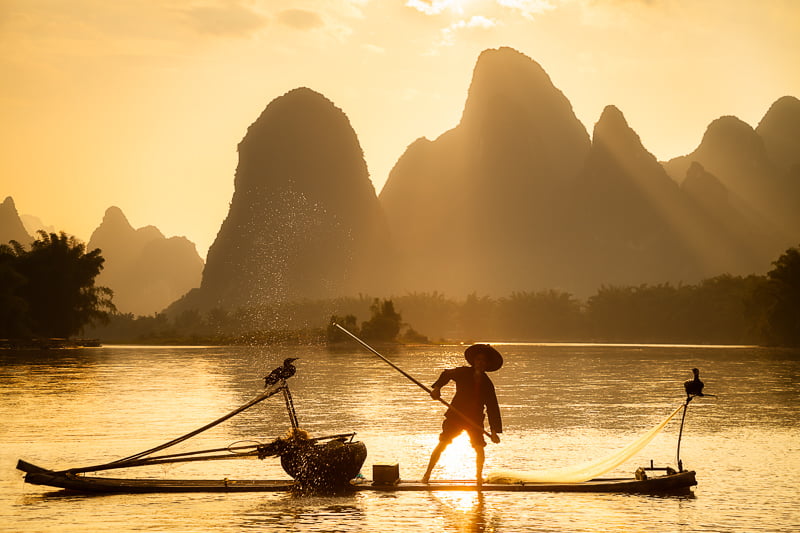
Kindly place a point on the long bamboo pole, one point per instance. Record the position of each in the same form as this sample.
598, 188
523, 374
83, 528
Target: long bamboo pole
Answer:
133, 460
234, 452
414, 380
680, 434
157, 461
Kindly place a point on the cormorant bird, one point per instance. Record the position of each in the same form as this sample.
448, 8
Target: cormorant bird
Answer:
283, 372
694, 387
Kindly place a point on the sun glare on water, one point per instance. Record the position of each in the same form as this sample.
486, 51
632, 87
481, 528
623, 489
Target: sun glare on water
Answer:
457, 461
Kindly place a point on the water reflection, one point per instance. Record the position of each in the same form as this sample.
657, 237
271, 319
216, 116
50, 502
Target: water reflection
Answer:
305, 513
465, 512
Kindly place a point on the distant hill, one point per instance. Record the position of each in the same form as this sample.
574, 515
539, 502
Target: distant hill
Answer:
474, 210
759, 167
33, 224
637, 225
11, 227
630, 217
517, 197
304, 221
780, 130
146, 270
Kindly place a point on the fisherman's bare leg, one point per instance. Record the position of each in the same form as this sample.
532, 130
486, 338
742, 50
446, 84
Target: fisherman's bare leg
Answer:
437, 452
479, 458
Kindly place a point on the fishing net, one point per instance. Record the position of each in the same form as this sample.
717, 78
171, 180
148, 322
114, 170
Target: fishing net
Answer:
584, 471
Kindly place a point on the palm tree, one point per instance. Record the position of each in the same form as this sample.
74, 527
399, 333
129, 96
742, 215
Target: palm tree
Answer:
59, 289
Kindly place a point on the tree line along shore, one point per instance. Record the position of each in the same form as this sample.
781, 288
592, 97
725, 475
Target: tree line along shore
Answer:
48, 292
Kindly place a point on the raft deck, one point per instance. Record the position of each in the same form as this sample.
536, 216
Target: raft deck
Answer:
680, 482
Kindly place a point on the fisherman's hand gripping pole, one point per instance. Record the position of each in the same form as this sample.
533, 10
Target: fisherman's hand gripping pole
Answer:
433, 394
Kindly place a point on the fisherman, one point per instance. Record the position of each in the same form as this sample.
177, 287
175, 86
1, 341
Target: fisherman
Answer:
474, 391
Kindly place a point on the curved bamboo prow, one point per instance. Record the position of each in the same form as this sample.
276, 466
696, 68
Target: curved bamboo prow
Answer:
29, 468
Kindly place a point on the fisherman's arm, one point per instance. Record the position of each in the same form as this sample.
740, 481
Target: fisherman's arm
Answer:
444, 379
493, 414
495, 424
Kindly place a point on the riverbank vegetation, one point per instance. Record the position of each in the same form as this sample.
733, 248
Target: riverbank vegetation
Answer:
48, 291
721, 310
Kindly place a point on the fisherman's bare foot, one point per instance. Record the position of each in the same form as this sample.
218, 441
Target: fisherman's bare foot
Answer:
426, 479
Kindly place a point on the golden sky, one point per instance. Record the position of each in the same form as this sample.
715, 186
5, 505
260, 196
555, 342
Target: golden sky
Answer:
141, 103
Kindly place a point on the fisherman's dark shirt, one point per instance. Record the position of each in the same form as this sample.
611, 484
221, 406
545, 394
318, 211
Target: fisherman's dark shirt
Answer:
472, 397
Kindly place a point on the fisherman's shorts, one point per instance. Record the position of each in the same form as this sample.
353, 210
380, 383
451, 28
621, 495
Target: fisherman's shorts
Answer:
452, 428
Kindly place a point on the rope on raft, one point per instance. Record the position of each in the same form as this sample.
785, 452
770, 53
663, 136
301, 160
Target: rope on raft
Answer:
139, 459
584, 471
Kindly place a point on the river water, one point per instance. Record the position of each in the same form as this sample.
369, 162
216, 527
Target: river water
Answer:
561, 404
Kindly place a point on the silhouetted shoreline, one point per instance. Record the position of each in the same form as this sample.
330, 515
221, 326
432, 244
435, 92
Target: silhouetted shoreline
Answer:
48, 344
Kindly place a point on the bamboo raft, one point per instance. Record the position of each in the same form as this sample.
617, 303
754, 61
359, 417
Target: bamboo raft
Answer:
670, 483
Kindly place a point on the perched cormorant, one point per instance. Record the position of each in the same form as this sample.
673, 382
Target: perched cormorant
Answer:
694, 387
284, 371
